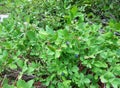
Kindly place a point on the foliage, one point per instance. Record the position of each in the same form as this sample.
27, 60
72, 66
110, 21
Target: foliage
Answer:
51, 40
106, 9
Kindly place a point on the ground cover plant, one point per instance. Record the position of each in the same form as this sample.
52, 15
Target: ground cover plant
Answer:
57, 44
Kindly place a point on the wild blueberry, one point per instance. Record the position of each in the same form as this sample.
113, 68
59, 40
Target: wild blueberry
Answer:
76, 55
67, 43
63, 74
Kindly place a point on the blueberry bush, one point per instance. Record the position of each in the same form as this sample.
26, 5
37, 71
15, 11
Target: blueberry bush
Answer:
56, 44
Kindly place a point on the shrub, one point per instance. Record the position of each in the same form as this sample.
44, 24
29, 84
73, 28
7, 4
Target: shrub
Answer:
76, 54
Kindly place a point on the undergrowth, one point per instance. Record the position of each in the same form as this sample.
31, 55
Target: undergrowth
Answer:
59, 44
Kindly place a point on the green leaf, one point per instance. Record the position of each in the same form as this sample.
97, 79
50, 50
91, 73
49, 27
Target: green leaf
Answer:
43, 34
74, 11
57, 53
107, 77
21, 84
31, 35
100, 64
20, 63
8, 86
5, 81
27, 18
118, 52
116, 69
66, 83
30, 69
74, 69
49, 30
115, 82
103, 79
86, 80
51, 48
12, 66
30, 83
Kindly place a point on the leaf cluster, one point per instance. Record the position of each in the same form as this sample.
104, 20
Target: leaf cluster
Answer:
52, 40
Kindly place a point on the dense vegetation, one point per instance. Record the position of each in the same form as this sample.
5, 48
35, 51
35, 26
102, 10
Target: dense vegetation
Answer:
60, 44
